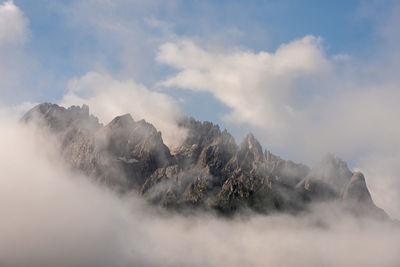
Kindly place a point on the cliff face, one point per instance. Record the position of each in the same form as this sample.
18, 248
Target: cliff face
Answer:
209, 170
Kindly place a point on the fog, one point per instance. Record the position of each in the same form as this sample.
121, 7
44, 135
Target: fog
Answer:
53, 216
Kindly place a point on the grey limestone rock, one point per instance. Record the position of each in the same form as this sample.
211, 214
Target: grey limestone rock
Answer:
209, 170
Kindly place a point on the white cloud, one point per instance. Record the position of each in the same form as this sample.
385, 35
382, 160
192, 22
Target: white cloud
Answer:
52, 216
341, 57
14, 33
13, 24
300, 101
125, 33
260, 88
108, 98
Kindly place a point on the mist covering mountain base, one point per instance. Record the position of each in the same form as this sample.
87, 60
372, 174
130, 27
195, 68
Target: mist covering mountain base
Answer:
208, 171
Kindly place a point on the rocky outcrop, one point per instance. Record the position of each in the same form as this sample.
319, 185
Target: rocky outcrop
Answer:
60, 119
209, 170
332, 179
356, 189
120, 154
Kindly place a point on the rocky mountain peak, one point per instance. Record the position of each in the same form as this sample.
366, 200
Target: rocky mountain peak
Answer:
356, 189
333, 171
251, 147
208, 170
121, 121
132, 140
201, 133
200, 137
60, 118
252, 142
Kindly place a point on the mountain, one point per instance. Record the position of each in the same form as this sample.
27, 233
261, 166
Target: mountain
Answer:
207, 171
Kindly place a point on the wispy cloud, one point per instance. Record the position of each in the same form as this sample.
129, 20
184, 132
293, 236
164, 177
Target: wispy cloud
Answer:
108, 98
13, 24
14, 32
260, 88
298, 99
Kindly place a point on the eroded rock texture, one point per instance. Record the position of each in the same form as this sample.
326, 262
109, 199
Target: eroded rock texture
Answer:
209, 170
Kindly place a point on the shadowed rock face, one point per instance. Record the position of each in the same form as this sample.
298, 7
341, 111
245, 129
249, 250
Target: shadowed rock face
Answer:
356, 189
209, 170
120, 154
333, 171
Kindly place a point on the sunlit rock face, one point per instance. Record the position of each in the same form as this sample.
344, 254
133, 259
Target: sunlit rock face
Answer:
207, 171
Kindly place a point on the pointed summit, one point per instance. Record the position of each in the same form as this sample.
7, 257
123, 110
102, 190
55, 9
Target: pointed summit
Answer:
251, 145
251, 140
356, 189
208, 170
333, 171
121, 121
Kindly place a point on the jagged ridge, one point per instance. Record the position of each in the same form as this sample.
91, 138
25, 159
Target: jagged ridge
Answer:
209, 170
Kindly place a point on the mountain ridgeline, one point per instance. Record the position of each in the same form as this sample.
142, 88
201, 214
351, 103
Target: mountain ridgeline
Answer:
207, 171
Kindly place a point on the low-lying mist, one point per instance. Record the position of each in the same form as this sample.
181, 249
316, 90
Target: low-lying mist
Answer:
53, 216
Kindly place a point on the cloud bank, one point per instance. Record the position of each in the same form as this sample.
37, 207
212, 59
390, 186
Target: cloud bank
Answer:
52, 216
298, 100
258, 87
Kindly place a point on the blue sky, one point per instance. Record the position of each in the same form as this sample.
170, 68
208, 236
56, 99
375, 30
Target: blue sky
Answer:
63, 43
306, 77
67, 39
64, 46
